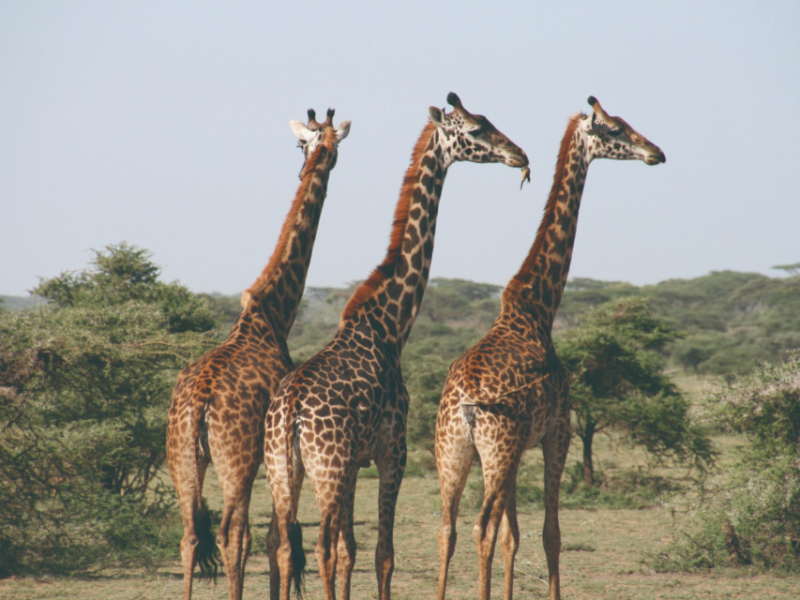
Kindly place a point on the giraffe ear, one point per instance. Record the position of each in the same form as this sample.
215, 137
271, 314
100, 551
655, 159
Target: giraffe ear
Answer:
343, 131
439, 119
301, 131
436, 116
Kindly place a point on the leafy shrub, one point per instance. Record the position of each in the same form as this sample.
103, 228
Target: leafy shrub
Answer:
754, 517
85, 386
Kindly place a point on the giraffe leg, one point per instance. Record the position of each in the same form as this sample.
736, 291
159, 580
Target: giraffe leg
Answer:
286, 566
273, 544
347, 541
189, 489
509, 539
330, 470
499, 440
233, 538
454, 455
274, 535
236, 459
555, 445
282, 519
330, 501
391, 466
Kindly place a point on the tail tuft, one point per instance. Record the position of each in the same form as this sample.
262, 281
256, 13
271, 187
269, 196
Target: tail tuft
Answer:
207, 553
298, 558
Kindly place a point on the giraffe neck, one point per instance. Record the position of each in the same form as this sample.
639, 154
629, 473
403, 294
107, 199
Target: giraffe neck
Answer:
539, 284
279, 288
392, 295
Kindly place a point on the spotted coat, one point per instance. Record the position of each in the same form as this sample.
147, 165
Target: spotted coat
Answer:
509, 392
347, 405
219, 402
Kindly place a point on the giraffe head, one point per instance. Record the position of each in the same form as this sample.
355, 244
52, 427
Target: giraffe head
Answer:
314, 134
473, 138
612, 137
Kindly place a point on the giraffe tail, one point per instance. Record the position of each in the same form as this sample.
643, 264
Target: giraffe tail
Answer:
208, 559
298, 558
298, 555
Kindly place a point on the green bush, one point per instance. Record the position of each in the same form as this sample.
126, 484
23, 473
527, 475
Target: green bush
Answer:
85, 387
754, 516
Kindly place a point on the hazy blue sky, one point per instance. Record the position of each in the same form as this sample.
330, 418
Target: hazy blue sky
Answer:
166, 124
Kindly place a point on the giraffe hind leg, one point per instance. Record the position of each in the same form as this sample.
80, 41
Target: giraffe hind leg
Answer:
555, 446
233, 540
391, 466
289, 538
295, 539
330, 476
347, 542
454, 455
326, 549
500, 463
509, 539
233, 537
273, 543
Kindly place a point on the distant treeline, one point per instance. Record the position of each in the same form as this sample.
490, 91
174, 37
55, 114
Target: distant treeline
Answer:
730, 321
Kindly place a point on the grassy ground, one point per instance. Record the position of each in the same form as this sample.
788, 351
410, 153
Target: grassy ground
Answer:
603, 556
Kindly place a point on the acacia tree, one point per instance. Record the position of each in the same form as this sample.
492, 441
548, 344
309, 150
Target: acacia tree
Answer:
617, 383
85, 385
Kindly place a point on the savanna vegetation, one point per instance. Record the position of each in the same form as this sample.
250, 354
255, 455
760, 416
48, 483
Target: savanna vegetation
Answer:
86, 374
85, 385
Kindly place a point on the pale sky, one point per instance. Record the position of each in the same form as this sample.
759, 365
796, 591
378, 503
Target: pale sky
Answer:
166, 124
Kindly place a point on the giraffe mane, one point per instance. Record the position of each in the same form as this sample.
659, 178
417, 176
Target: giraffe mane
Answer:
264, 280
386, 269
524, 274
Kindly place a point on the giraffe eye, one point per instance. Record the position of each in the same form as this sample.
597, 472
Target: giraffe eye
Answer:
475, 132
614, 132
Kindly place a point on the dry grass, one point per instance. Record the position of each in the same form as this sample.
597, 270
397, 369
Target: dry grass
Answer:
603, 556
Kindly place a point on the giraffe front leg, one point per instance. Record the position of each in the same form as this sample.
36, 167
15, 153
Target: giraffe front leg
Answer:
555, 446
391, 466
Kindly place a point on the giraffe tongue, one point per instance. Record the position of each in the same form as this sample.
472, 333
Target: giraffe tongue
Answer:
526, 176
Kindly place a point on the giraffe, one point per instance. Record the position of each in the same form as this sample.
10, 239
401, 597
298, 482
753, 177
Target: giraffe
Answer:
347, 405
509, 391
219, 402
